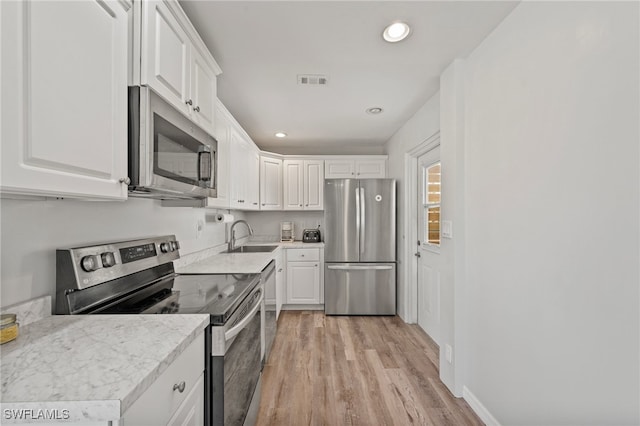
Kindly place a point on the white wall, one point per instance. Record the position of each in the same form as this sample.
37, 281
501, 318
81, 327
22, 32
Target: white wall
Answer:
552, 198
30, 232
418, 129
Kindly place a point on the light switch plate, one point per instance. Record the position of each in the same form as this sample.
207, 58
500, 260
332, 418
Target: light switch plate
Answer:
447, 229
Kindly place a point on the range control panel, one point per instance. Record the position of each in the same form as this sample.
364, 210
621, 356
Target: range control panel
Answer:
81, 267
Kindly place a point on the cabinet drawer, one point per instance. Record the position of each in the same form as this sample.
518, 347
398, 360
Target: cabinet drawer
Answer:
159, 402
295, 255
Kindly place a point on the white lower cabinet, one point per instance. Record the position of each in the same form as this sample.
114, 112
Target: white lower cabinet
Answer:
303, 276
177, 396
191, 412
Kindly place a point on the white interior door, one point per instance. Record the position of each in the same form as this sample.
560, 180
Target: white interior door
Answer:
428, 242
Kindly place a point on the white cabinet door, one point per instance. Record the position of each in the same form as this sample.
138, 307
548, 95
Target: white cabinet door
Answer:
238, 171
64, 98
313, 184
203, 92
191, 412
339, 169
270, 183
253, 177
163, 401
371, 169
303, 282
222, 134
293, 171
165, 55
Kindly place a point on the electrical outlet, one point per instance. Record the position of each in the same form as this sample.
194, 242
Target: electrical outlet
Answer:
199, 228
448, 353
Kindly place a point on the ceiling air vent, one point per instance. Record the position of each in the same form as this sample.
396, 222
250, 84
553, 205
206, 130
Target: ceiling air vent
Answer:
312, 79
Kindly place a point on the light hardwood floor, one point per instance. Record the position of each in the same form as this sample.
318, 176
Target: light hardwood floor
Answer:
355, 371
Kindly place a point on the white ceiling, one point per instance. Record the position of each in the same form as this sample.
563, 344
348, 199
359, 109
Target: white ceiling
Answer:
262, 46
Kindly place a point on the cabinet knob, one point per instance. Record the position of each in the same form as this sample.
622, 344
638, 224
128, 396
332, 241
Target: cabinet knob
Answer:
306, 205
255, 204
280, 270
302, 255
180, 387
125, 180
263, 204
316, 265
197, 109
300, 205
189, 102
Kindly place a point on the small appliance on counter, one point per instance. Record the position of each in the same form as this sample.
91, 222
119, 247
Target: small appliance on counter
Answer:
286, 231
311, 236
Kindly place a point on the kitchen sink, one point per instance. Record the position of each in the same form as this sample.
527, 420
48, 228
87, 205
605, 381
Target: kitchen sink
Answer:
252, 249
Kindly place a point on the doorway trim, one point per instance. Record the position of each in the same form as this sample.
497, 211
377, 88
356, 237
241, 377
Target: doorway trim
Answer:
410, 224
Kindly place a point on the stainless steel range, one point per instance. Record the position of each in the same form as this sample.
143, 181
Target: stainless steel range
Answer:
138, 277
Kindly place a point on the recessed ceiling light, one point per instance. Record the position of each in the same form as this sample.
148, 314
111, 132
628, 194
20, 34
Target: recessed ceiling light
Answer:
396, 32
281, 135
374, 110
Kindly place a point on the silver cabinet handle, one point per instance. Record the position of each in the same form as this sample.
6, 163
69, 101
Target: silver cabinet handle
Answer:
180, 387
125, 180
360, 268
197, 109
189, 102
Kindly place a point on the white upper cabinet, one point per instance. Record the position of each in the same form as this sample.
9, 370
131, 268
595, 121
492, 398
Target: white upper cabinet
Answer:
313, 184
222, 134
270, 183
244, 187
175, 63
303, 184
64, 98
356, 167
293, 184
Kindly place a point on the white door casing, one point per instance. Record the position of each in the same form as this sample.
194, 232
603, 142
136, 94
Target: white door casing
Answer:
429, 262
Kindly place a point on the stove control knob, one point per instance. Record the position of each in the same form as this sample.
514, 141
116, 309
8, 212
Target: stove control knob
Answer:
166, 247
174, 245
108, 259
89, 263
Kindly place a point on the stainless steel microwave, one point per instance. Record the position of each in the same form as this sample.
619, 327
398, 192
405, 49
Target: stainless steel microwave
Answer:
169, 156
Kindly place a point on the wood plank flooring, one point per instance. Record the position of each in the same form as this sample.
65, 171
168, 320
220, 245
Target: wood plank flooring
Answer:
339, 370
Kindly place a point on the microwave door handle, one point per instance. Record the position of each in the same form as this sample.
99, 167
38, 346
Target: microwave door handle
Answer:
202, 163
233, 331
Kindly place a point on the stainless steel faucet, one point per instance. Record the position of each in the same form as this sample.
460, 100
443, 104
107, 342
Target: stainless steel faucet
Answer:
232, 232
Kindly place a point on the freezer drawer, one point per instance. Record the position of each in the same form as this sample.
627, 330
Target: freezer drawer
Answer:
360, 289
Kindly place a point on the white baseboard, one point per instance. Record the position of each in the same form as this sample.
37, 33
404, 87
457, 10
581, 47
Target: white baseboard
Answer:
480, 409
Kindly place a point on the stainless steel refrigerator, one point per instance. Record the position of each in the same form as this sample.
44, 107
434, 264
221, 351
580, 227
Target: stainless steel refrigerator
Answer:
360, 246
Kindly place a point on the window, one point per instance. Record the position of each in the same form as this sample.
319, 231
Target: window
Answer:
431, 203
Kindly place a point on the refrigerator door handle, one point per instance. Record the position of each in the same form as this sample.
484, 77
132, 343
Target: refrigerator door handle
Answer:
359, 230
362, 221
360, 267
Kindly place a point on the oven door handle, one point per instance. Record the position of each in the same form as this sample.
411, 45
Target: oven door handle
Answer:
233, 331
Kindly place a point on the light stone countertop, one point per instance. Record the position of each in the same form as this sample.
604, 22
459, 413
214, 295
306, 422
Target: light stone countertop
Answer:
94, 366
240, 263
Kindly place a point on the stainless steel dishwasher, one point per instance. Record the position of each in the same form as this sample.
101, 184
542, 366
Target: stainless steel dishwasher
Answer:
267, 335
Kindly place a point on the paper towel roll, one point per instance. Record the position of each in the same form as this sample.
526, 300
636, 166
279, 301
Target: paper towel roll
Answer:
224, 218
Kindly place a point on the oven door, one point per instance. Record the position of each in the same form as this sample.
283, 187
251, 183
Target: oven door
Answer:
236, 362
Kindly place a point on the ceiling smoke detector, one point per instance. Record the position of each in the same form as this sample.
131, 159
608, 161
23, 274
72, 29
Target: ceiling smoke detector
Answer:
374, 110
312, 79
